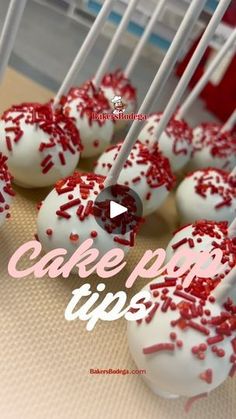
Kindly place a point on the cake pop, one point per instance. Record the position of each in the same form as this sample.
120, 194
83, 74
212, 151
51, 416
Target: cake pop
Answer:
212, 148
175, 142
147, 173
6, 191
67, 217
84, 105
182, 329
206, 235
41, 145
208, 193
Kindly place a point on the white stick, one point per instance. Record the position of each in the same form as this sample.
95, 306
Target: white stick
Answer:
144, 38
84, 50
192, 65
229, 123
232, 229
157, 85
224, 289
108, 57
9, 31
206, 76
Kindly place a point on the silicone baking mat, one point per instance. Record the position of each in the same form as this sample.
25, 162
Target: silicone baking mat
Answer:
45, 360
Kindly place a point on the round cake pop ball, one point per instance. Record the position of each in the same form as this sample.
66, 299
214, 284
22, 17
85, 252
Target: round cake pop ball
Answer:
206, 235
117, 85
6, 191
66, 217
183, 330
175, 142
84, 105
41, 145
208, 193
201, 235
212, 148
147, 173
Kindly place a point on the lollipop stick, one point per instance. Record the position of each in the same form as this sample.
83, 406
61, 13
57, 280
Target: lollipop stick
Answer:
9, 31
147, 32
224, 289
157, 85
206, 76
84, 50
229, 123
233, 173
232, 229
192, 65
108, 57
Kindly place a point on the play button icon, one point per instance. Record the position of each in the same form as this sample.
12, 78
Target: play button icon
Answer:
116, 209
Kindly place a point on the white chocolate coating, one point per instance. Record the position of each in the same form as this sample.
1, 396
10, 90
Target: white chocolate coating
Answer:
6, 192
80, 105
210, 149
41, 146
153, 189
57, 231
198, 233
205, 235
179, 372
174, 143
206, 194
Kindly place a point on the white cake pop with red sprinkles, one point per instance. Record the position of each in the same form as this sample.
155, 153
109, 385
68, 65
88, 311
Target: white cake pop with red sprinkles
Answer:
41, 145
207, 193
182, 330
206, 235
85, 105
147, 173
212, 148
117, 84
175, 142
67, 217
6, 191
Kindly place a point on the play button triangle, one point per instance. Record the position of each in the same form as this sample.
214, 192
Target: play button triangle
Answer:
116, 209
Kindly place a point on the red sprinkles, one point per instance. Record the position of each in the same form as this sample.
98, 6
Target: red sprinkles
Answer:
217, 183
221, 145
189, 313
120, 84
158, 172
178, 130
5, 186
90, 100
58, 132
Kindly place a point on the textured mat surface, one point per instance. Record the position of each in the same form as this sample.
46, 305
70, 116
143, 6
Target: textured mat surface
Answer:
45, 361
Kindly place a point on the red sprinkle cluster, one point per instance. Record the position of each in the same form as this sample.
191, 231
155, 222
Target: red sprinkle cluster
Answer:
221, 145
157, 174
218, 231
6, 188
88, 184
178, 130
60, 129
215, 182
120, 84
193, 312
92, 100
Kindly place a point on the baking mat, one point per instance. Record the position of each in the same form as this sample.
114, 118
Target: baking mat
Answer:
45, 360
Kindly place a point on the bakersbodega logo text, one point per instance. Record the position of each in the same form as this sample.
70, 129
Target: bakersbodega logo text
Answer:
119, 112
86, 261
